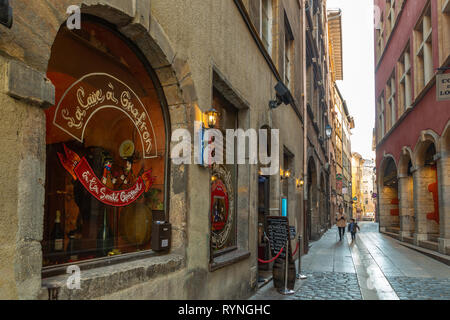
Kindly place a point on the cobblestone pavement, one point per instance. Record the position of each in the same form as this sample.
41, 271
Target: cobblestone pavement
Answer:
409, 288
374, 267
329, 286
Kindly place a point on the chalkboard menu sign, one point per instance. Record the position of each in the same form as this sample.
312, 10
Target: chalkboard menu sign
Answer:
278, 233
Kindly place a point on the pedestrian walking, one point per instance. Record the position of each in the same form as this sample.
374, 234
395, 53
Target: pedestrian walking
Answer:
352, 227
341, 223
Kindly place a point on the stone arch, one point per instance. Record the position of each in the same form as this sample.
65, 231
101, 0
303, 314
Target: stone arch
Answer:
406, 194
445, 141
426, 138
426, 193
388, 195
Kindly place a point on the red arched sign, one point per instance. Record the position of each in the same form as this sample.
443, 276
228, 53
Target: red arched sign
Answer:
219, 206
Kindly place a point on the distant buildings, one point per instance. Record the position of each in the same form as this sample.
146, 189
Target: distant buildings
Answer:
363, 178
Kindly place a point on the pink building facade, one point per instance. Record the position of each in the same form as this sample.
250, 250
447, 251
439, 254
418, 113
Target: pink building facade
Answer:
412, 51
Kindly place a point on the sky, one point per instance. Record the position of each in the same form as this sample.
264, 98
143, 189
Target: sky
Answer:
358, 86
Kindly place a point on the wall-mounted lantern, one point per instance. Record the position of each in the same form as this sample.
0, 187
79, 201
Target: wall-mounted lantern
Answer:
212, 117
328, 131
285, 174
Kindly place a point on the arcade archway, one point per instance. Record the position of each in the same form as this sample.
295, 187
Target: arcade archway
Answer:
426, 194
388, 193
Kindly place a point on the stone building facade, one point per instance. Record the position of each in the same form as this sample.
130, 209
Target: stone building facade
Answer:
228, 55
317, 190
342, 125
412, 126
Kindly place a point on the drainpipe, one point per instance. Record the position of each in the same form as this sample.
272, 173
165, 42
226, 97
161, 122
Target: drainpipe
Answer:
305, 127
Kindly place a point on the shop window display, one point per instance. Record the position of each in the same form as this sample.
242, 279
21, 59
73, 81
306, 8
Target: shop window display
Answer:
106, 149
223, 185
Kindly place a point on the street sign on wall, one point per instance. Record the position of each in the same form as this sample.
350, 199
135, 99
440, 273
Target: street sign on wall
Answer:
443, 87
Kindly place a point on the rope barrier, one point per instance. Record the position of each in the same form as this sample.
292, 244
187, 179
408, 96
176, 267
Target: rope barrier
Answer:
276, 257
272, 260
296, 249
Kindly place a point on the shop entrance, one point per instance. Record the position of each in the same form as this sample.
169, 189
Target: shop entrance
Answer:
264, 269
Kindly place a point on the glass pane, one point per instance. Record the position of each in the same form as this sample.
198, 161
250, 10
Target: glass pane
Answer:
105, 149
224, 184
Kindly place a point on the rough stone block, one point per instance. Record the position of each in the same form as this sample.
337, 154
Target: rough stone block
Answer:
25, 83
118, 12
166, 76
160, 37
27, 265
173, 95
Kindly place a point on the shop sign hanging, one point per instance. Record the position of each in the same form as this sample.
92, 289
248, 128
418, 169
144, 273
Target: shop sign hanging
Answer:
443, 87
80, 170
82, 100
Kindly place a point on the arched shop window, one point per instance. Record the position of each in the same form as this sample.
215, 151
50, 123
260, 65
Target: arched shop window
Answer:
106, 148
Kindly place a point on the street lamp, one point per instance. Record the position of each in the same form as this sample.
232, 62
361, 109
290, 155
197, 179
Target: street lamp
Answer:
212, 116
328, 131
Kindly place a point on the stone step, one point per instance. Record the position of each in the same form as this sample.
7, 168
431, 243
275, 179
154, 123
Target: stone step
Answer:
392, 234
444, 258
393, 229
433, 237
409, 240
429, 245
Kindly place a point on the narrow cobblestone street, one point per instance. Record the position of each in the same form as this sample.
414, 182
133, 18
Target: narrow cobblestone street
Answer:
374, 267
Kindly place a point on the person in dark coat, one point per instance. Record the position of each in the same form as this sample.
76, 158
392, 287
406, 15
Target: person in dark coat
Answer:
353, 227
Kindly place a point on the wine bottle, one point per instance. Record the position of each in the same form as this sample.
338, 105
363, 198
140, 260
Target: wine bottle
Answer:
71, 248
105, 240
57, 236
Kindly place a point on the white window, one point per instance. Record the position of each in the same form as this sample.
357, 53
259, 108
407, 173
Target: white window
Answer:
404, 76
288, 52
423, 51
266, 24
381, 128
390, 6
380, 39
391, 90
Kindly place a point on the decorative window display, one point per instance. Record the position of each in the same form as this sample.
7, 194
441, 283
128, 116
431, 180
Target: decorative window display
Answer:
106, 149
222, 207
223, 186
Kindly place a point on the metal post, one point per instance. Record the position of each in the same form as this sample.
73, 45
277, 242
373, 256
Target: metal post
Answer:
300, 250
286, 291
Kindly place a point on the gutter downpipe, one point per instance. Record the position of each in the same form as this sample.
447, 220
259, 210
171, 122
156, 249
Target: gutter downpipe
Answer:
305, 131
